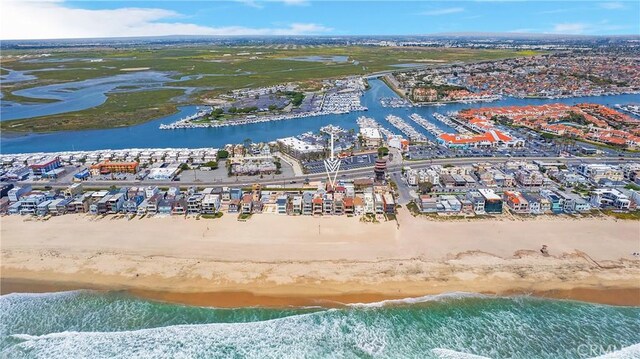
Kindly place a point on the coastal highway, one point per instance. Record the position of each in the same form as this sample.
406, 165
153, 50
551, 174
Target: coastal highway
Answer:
297, 181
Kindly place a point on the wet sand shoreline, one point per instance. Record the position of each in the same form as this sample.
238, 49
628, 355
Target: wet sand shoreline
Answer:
277, 261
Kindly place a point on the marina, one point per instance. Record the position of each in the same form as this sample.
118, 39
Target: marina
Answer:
368, 122
450, 121
405, 128
430, 127
147, 135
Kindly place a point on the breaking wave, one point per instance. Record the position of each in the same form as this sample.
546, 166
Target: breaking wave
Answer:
456, 325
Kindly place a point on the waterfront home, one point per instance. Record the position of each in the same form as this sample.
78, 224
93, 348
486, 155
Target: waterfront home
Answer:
164, 206
338, 204
477, 201
610, 198
194, 203
349, 206
281, 204
179, 206
114, 205
573, 203
317, 204
378, 203
152, 204
556, 202
389, 203
43, 208
15, 208
142, 208
358, 205
58, 207
428, 204
102, 206
80, 203
30, 203
246, 204
209, 204
449, 204
516, 202
369, 203
296, 205
327, 203
467, 206
234, 206
307, 203
131, 205
535, 203
492, 202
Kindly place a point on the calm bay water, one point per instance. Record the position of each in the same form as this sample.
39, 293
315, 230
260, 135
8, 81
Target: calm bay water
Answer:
113, 325
148, 135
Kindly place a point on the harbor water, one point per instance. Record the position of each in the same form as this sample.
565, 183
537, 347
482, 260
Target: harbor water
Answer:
148, 135
87, 324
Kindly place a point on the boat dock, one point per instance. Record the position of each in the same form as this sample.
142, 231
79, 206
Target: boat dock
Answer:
407, 129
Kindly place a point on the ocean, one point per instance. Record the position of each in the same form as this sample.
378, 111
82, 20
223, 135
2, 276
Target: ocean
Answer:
90, 324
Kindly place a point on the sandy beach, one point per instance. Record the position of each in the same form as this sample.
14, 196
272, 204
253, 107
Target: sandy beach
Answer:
281, 260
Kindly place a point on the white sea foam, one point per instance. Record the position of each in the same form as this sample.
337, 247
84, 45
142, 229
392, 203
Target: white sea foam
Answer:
423, 299
42, 295
630, 352
452, 354
294, 336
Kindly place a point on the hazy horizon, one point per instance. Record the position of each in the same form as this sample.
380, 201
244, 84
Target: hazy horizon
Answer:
59, 19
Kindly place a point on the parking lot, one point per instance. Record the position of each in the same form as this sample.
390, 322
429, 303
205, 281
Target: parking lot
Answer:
347, 163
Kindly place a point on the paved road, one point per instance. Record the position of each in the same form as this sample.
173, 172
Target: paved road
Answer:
355, 173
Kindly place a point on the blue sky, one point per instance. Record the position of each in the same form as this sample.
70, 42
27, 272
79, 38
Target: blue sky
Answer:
23, 19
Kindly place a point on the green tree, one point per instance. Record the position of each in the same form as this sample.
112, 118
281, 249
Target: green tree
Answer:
222, 154
211, 164
383, 151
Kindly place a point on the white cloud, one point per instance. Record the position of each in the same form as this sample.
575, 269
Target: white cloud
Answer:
570, 28
294, 2
54, 20
612, 5
600, 28
445, 11
259, 4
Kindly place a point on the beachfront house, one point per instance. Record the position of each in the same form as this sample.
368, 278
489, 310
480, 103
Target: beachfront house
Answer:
296, 205
281, 204
210, 204
492, 202
610, 198
477, 201
378, 203
246, 204
369, 204
307, 203
194, 203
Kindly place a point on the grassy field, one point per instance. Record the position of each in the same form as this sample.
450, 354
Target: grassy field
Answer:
120, 110
224, 69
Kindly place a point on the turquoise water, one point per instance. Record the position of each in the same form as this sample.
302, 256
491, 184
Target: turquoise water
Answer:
86, 324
